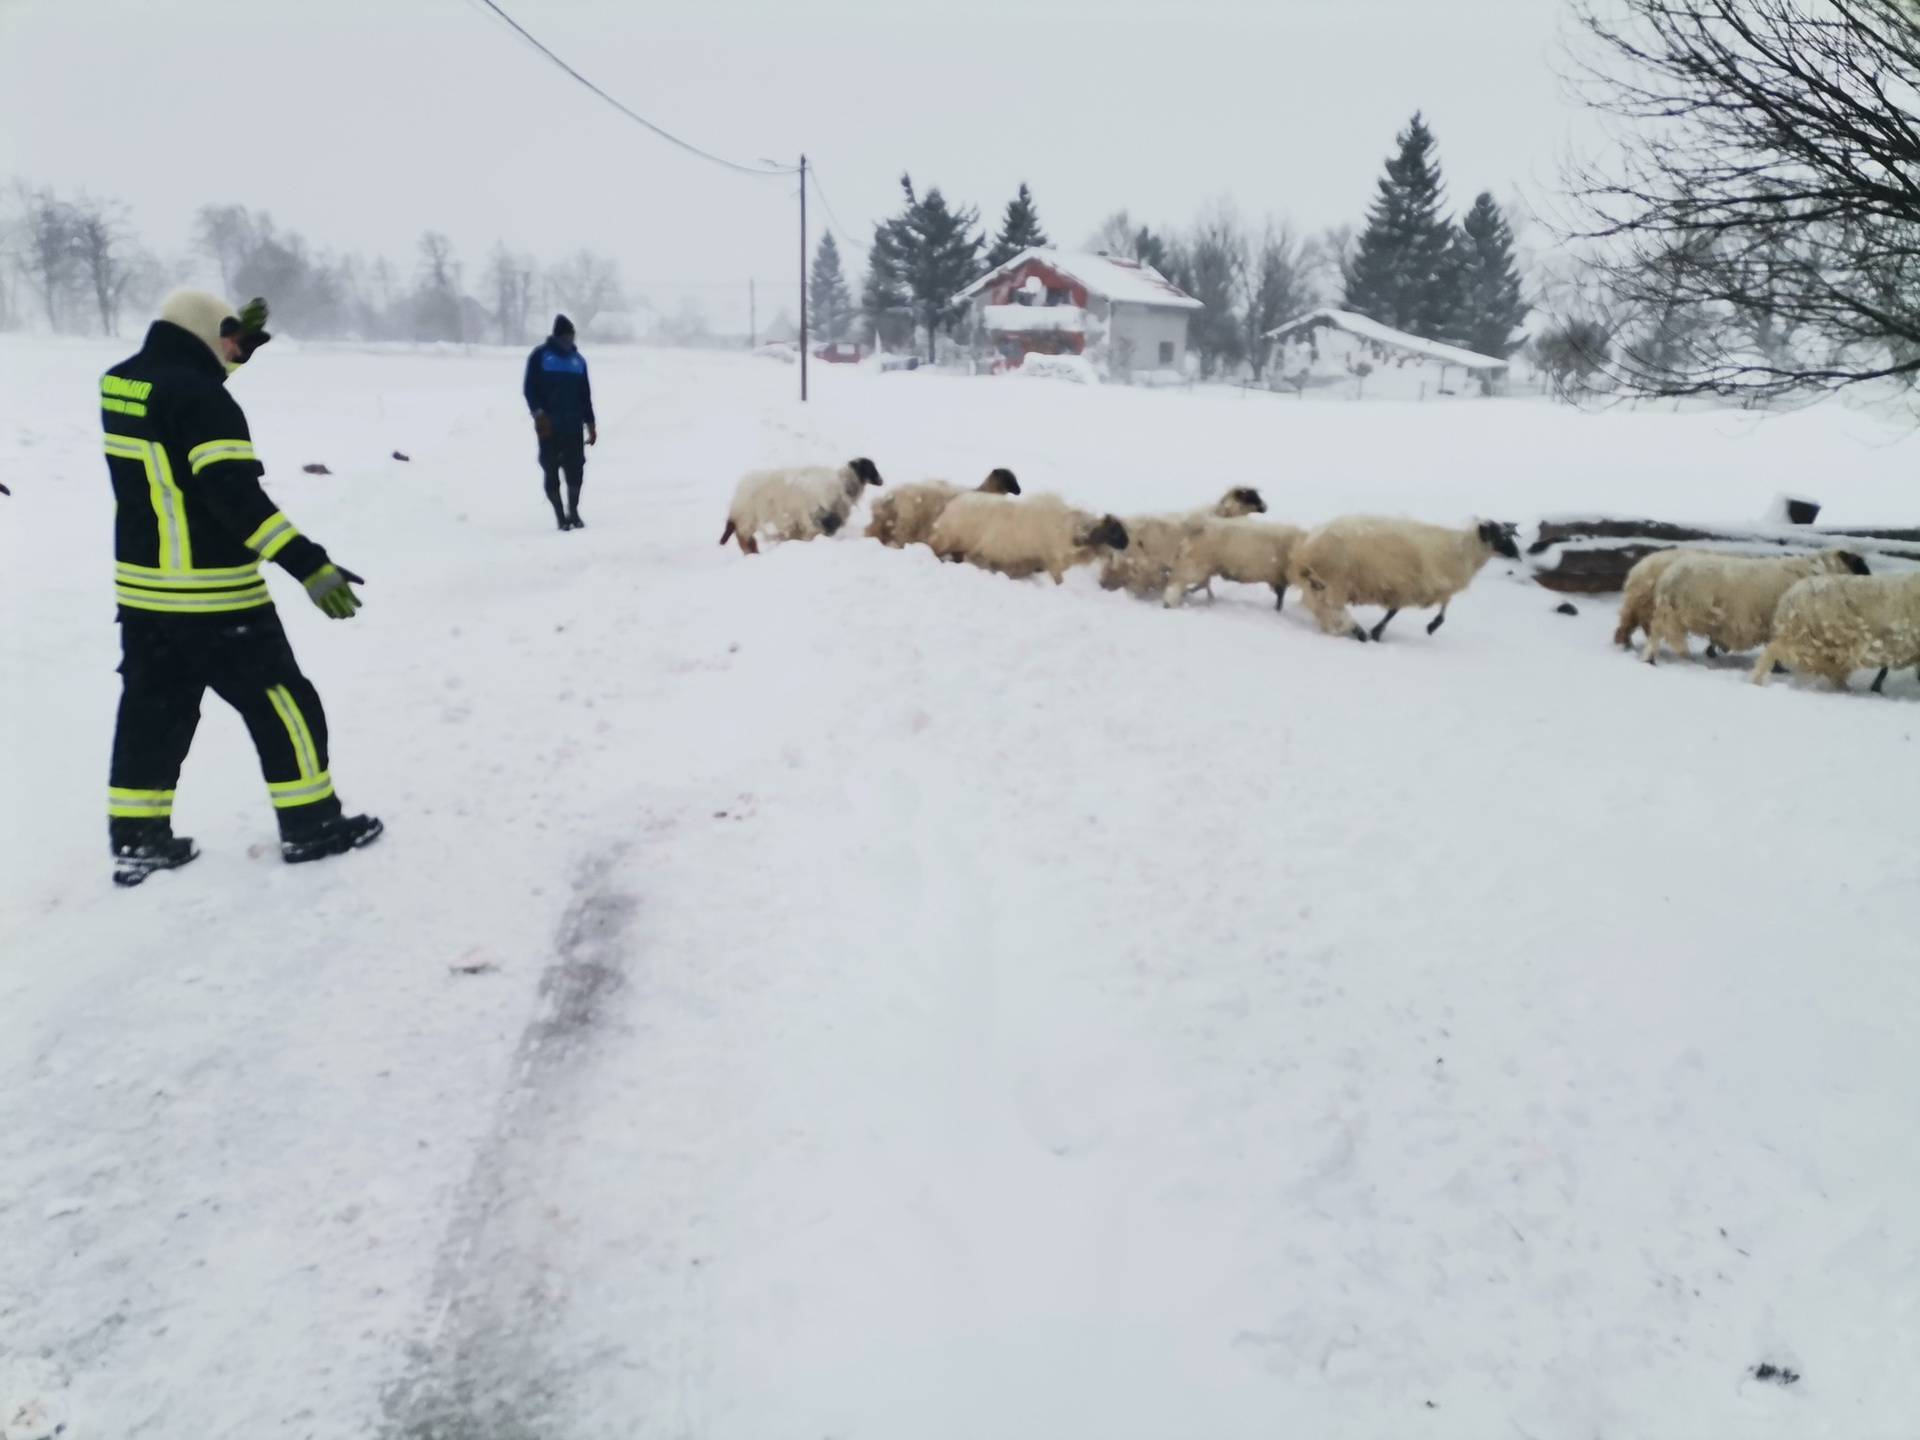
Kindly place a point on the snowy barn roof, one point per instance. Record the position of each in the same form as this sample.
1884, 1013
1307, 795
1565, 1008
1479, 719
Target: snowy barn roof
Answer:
1114, 277
1365, 329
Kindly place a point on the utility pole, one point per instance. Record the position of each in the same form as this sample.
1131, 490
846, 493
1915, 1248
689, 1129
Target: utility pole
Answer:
803, 279
753, 318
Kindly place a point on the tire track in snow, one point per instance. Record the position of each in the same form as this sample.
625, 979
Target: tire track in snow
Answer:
481, 1371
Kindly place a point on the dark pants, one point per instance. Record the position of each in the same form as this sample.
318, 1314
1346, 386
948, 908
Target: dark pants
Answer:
564, 451
166, 665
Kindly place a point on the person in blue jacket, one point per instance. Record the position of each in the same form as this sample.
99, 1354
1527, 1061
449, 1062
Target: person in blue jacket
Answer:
561, 398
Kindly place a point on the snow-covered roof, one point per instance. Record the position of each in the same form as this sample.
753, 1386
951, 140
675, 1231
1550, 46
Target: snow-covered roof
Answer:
1034, 319
1360, 325
1113, 277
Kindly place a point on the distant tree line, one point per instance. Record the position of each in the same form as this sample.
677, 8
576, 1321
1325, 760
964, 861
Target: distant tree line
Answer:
74, 264
1411, 267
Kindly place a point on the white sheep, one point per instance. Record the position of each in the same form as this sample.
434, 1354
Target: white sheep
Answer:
1730, 599
1250, 552
1401, 564
1155, 540
795, 503
1833, 625
1636, 598
905, 516
1024, 537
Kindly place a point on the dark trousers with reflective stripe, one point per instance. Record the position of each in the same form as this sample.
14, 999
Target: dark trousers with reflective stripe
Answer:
167, 664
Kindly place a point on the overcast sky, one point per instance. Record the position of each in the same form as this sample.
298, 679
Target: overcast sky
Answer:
363, 122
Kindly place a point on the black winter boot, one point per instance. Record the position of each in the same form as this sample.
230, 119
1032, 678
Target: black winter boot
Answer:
134, 861
333, 836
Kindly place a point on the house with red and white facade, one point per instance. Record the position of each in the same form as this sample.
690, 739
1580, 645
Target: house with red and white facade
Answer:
1124, 316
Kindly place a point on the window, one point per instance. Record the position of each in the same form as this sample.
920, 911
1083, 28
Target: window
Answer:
1166, 352
1059, 297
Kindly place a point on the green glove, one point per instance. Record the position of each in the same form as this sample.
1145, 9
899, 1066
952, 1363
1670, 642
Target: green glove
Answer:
249, 330
328, 587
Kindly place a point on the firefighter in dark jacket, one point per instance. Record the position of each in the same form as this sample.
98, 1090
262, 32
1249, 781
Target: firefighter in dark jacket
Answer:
191, 530
561, 398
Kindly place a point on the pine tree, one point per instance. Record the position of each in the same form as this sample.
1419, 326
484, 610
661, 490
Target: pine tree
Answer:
883, 300
1151, 249
1019, 230
829, 305
933, 252
1403, 272
1490, 308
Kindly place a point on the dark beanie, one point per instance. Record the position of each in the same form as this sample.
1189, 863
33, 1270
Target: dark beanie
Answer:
562, 325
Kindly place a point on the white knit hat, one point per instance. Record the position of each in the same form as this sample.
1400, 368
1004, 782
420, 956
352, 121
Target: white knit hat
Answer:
199, 313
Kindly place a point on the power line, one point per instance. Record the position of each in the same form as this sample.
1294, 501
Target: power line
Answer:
691, 149
827, 205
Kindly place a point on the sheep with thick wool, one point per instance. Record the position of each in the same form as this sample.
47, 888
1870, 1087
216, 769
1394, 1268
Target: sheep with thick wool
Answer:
1023, 537
1833, 625
1636, 597
1401, 564
795, 503
1155, 540
1730, 599
905, 516
1250, 552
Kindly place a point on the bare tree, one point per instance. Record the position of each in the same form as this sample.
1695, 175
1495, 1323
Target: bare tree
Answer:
10, 234
1275, 287
46, 251
585, 285
1760, 226
228, 235
437, 310
105, 255
1210, 265
510, 278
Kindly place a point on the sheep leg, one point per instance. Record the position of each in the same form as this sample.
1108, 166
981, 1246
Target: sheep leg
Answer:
748, 545
1279, 597
1437, 621
1383, 622
1878, 681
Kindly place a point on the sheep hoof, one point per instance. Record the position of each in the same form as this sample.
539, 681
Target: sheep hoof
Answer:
1358, 634
1437, 621
1878, 681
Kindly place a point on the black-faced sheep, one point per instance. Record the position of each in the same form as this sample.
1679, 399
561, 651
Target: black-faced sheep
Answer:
1401, 564
1155, 542
1023, 537
1730, 599
905, 516
1250, 552
795, 503
1833, 625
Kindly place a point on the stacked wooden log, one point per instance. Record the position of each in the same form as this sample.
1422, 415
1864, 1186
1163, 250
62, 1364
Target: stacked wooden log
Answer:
1591, 554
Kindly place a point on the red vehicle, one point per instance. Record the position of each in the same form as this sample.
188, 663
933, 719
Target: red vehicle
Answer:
839, 352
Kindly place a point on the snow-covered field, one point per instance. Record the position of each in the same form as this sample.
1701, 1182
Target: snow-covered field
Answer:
918, 1004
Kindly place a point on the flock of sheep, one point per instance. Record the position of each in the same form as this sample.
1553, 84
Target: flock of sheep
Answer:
1821, 613
1358, 560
